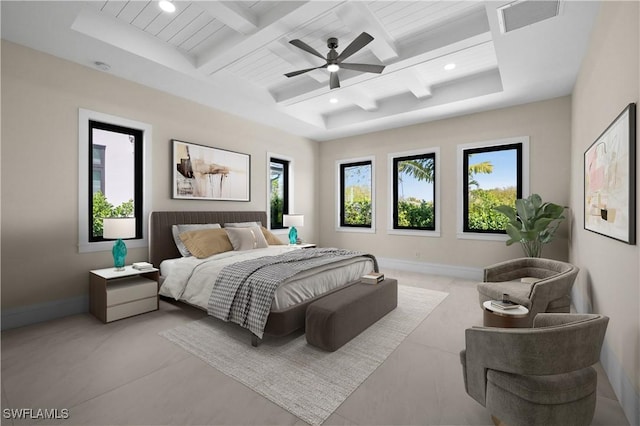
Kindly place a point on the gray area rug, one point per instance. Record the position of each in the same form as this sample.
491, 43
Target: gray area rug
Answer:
306, 381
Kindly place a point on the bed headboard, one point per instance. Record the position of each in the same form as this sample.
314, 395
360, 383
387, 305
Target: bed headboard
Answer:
161, 244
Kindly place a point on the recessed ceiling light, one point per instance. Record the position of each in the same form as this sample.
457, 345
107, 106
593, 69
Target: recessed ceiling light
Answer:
333, 67
167, 6
449, 67
333, 100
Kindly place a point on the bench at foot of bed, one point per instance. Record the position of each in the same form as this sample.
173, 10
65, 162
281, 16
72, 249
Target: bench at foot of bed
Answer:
339, 317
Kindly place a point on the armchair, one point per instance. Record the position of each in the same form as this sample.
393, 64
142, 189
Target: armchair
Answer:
541, 285
536, 376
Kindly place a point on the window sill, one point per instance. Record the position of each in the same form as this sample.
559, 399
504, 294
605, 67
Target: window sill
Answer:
108, 245
414, 233
356, 230
480, 236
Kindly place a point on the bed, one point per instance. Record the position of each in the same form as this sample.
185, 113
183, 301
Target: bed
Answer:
281, 320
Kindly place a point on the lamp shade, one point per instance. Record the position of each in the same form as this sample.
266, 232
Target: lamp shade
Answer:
118, 227
293, 220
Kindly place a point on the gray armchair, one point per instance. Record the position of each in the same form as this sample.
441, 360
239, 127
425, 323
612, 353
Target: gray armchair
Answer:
542, 285
536, 376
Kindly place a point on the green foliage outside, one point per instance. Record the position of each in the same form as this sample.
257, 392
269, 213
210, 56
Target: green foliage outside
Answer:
415, 213
357, 210
482, 202
277, 204
103, 208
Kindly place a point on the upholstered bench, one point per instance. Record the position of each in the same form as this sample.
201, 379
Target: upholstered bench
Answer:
339, 317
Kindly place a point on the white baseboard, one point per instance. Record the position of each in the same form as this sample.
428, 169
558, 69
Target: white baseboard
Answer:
465, 272
622, 385
26, 315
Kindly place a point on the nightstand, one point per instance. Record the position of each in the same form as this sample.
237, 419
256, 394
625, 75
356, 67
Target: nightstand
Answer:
114, 295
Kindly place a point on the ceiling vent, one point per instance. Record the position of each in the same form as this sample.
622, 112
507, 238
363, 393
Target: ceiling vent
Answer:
523, 13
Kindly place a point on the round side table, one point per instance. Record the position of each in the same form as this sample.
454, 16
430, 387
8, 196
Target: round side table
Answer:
505, 318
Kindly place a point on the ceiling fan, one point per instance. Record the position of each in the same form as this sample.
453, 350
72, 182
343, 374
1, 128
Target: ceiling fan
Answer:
334, 60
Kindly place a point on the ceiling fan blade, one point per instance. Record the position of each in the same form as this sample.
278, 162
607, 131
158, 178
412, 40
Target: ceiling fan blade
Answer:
304, 46
294, 73
361, 41
363, 67
334, 81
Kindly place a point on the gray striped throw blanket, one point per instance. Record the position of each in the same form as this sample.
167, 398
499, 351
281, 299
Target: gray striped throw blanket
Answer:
244, 291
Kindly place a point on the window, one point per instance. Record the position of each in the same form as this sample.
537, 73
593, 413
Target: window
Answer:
116, 175
356, 204
492, 174
278, 191
112, 176
413, 178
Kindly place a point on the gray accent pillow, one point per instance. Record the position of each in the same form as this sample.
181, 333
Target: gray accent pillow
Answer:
176, 230
246, 238
242, 224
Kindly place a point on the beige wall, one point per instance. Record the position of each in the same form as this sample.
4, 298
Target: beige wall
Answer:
546, 123
40, 100
609, 282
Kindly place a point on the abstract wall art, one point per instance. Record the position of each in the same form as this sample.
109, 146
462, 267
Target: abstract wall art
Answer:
205, 173
610, 180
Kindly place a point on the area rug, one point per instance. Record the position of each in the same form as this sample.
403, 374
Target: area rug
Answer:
306, 381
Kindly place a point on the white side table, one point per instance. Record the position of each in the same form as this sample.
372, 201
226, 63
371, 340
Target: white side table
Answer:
114, 295
505, 318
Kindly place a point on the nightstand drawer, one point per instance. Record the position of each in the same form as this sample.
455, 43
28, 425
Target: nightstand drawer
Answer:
136, 307
128, 289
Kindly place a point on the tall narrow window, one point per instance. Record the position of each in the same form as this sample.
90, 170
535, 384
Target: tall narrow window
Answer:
414, 190
278, 191
115, 185
356, 194
492, 176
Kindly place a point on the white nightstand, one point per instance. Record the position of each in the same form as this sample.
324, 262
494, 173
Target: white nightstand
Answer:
114, 295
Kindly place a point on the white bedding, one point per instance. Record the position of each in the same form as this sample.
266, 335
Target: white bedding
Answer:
191, 280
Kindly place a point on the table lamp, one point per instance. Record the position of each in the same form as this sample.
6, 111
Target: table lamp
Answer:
118, 228
291, 221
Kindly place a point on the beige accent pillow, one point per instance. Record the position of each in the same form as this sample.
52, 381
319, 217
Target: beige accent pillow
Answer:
246, 238
206, 242
272, 240
176, 230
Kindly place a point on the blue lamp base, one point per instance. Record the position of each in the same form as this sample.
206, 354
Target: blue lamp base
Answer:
119, 254
293, 235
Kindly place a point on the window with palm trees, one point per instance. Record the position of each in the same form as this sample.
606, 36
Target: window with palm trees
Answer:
414, 190
492, 176
356, 194
278, 191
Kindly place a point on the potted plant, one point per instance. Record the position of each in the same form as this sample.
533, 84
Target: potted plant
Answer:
532, 223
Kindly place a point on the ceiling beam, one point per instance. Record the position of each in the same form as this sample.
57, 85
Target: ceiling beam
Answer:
284, 50
362, 98
416, 84
232, 15
292, 15
358, 17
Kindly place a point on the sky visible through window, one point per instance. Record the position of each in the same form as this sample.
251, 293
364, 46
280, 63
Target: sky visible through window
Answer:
410, 187
504, 173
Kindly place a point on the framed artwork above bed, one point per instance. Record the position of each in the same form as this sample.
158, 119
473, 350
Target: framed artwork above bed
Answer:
206, 173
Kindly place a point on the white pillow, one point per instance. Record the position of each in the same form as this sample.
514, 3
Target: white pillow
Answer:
246, 238
176, 230
242, 224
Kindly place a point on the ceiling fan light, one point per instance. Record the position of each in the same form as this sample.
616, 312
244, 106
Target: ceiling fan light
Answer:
333, 67
167, 6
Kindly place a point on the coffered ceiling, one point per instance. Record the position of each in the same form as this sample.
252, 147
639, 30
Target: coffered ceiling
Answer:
232, 55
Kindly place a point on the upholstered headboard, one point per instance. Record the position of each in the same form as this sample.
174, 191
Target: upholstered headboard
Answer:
161, 244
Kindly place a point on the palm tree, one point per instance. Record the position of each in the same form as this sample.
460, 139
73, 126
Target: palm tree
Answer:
484, 167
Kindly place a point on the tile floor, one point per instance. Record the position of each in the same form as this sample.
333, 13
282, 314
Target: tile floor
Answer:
124, 373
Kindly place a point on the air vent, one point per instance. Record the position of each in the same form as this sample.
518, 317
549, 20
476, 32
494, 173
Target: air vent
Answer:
523, 13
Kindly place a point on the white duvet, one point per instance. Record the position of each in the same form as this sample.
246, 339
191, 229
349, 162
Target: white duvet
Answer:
191, 280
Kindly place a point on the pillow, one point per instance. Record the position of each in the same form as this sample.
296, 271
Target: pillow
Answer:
206, 242
272, 240
176, 230
246, 238
242, 224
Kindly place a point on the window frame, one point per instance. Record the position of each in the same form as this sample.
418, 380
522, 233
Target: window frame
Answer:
85, 180
391, 229
339, 185
289, 189
523, 190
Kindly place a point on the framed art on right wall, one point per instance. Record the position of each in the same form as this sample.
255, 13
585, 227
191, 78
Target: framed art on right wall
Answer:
610, 180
